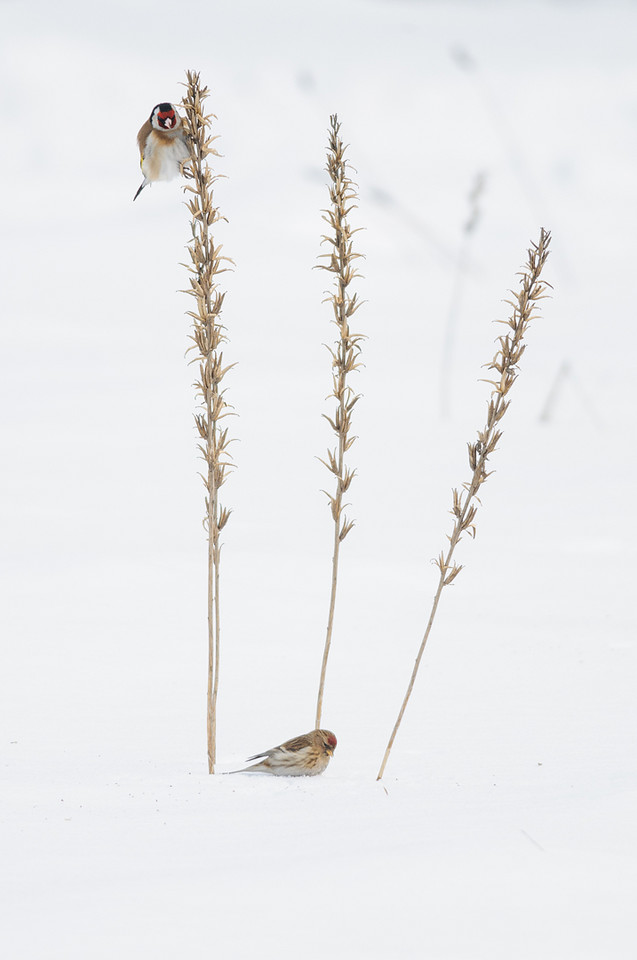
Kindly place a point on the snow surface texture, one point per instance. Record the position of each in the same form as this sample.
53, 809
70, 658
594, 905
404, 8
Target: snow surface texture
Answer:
506, 824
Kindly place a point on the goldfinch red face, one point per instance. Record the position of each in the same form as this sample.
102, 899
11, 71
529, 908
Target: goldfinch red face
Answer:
164, 117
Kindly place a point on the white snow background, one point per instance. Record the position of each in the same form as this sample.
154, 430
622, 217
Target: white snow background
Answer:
506, 823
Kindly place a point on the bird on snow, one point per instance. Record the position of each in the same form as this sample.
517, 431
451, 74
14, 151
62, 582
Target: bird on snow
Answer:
304, 756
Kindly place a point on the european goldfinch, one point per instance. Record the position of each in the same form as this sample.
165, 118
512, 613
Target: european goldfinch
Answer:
162, 145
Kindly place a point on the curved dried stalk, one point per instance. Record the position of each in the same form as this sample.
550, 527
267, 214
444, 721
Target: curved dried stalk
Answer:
344, 353
464, 509
208, 337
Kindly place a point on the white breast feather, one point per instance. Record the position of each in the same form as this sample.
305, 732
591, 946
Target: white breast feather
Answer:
162, 162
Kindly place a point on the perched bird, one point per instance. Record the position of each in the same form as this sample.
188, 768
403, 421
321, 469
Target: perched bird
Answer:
162, 145
305, 756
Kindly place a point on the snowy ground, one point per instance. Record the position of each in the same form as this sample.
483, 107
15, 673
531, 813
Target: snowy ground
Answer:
505, 826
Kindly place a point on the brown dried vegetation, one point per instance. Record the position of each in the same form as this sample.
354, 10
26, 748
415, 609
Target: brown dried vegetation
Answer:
345, 354
208, 337
511, 347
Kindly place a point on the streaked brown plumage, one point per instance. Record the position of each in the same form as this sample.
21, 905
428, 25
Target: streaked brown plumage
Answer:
304, 756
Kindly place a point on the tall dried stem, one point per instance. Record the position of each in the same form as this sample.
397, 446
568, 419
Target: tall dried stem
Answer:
505, 364
208, 337
345, 353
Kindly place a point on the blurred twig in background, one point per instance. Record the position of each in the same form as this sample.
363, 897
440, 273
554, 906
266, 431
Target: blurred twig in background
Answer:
345, 355
206, 263
511, 346
517, 155
446, 375
565, 375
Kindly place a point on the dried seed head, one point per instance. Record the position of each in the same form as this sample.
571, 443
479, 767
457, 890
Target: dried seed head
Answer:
509, 352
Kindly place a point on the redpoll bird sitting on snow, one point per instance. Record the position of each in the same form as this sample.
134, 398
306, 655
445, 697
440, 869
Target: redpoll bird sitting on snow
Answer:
162, 145
305, 756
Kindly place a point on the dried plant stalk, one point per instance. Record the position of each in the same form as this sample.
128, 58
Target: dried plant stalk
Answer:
505, 364
208, 336
345, 355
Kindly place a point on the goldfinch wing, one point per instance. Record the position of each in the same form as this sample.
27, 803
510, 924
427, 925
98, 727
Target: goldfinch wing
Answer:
142, 137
